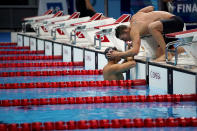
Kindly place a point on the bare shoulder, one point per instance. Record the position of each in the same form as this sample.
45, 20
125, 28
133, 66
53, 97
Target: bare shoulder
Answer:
134, 31
110, 69
135, 25
107, 69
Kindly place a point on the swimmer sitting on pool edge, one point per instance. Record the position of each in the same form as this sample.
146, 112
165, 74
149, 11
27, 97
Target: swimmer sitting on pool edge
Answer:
113, 70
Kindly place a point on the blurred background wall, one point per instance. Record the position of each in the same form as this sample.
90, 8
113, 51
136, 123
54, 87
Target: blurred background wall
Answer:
13, 11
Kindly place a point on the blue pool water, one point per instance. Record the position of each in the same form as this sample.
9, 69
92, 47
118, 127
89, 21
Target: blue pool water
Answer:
5, 36
96, 111
71, 92
28, 79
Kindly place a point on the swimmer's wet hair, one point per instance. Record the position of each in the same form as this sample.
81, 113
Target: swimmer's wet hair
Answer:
119, 30
108, 49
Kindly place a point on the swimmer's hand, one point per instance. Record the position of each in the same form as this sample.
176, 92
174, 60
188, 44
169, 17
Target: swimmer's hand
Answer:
129, 59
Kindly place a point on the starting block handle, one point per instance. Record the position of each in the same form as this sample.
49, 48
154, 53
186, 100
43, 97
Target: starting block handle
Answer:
37, 31
23, 27
99, 40
172, 51
53, 33
180, 43
102, 33
80, 28
73, 34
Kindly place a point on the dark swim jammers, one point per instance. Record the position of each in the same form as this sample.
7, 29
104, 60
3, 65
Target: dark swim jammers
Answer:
174, 24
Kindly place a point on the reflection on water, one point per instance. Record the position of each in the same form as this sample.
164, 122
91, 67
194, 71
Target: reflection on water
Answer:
96, 111
71, 92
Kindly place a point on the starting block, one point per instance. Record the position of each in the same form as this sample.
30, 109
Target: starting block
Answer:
31, 20
35, 23
46, 26
80, 33
96, 17
65, 28
39, 23
59, 27
47, 14
187, 40
103, 36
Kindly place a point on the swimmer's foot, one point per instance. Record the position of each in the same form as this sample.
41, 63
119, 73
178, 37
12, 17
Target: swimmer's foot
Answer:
163, 58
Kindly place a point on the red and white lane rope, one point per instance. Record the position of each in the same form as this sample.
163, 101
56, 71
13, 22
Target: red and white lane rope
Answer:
51, 73
41, 64
31, 57
21, 52
140, 82
99, 99
105, 123
7, 43
15, 47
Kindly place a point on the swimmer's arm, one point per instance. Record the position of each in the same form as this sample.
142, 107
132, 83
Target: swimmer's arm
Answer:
127, 59
147, 9
135, 37
120, 68
88, 5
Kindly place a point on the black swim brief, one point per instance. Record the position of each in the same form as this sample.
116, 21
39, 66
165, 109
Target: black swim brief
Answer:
174, 24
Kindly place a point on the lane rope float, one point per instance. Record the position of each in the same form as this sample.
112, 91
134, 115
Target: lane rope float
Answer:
7, 43
16, 47
139, 82
21, 52
31, 57
99, 99
104, 123
51, 73
42, 64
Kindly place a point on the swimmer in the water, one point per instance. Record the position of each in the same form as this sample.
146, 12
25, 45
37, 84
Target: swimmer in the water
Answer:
146, 21
113, 70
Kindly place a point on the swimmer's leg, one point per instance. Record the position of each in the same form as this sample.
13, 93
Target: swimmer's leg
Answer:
180, 50
159, 52
156, 29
